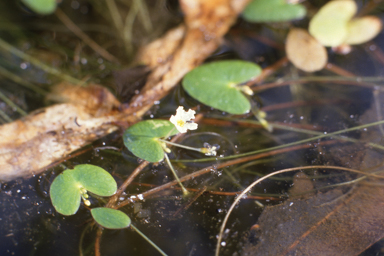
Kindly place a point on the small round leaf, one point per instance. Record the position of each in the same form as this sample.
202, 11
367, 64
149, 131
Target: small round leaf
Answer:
304, 51
43, 7
142, 138
273, 11
362, 30
216, 84
329, 25
95, 179
65, 193
110, 218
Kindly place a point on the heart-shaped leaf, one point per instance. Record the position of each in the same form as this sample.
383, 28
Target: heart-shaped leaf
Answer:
329, 25
67, 188
217, 84
362, 30
43, 7
110, 218
142, 139
273, 11
304, 51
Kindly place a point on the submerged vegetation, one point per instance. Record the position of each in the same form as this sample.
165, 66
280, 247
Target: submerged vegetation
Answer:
279, 128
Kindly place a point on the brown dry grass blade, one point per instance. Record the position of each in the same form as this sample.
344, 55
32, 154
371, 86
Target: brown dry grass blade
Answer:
31, 144
322, 225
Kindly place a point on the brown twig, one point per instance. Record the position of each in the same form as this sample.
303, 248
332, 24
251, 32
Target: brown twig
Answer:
112, 201
97, 241
338, 70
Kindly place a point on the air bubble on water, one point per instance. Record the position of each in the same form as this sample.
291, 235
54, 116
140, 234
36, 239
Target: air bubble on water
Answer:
24, 65
75, 5
223, 244
372, 47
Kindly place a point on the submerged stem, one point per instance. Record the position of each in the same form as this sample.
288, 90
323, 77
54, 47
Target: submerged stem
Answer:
149, 241
38, 63
185, 191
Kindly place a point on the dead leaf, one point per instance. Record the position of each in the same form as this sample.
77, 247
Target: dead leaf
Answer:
32, 143
304, 51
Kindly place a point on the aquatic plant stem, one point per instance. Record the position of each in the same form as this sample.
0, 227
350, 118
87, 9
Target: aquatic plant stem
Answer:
86, 39
239, 197
97, 241
185, 191
149, 241
38, 63
325, 135
181, 146
12, 105
5, 116
225, 164
21, 81
123, 187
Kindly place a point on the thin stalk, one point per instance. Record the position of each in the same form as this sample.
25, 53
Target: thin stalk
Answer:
12, 105
331, 134
37, 63
86, 39
115, 15
5, 116
81, 240
128, 26
181, 146
185, 191
289, 128
144, 15
149, 241
21, 81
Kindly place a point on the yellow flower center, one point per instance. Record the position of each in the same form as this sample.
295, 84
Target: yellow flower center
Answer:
180, 123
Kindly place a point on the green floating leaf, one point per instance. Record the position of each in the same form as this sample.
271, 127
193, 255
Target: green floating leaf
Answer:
217, 84
67, 188
95, 179
43, 7
142, 138
273, 11
110, 218
65, 193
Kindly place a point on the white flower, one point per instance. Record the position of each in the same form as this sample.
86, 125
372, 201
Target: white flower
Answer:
182, 120
209, 150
